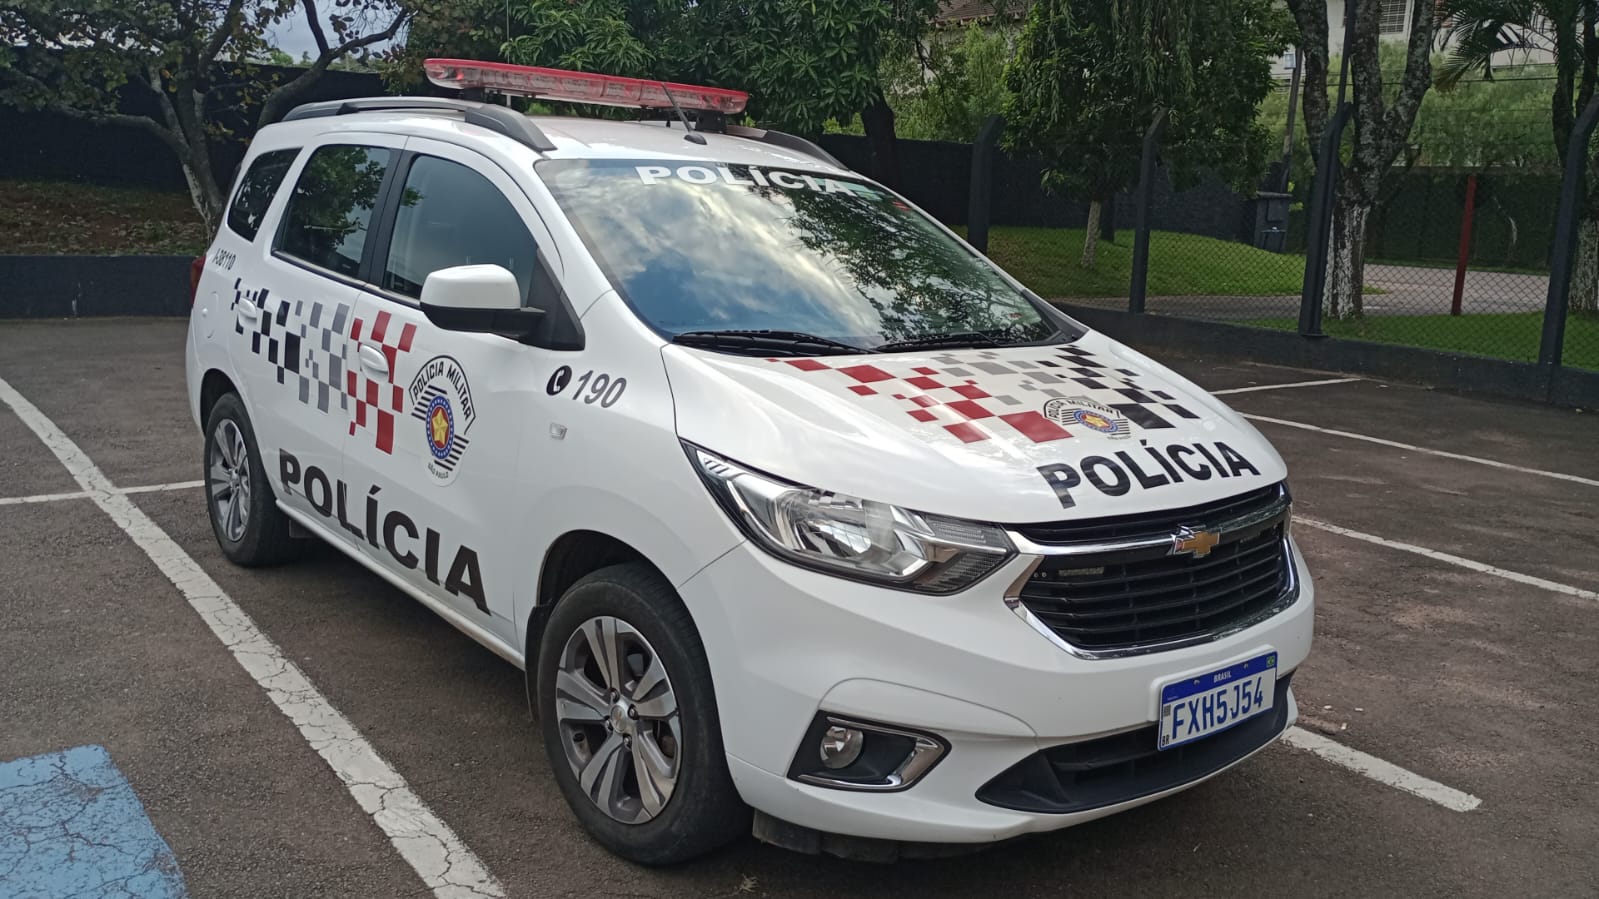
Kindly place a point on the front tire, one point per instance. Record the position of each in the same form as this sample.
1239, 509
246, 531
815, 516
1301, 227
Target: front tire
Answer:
628, 715
249, 527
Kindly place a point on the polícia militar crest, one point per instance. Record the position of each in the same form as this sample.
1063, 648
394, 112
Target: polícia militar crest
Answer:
441, 399
1084, 412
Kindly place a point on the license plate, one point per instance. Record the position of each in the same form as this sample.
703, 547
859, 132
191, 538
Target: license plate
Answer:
1196, 707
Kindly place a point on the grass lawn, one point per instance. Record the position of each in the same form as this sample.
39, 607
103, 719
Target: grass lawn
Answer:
1511, 335
64, 217
1045, 259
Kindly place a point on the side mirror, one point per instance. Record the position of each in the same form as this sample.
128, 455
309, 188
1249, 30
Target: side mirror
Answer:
482, 299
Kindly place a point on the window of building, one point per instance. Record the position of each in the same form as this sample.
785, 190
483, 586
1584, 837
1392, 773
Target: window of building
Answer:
1395, 17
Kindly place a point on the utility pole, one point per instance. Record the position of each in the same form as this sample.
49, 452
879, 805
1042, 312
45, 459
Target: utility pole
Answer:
1293, 107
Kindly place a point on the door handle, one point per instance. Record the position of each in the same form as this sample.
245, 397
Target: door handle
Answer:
373, 360
248, 311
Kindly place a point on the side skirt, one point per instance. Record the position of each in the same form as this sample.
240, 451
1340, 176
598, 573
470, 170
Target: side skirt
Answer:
460, 622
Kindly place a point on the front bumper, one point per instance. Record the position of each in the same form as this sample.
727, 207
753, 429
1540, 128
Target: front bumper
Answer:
784, 643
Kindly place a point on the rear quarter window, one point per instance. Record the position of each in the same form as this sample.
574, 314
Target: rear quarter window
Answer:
256, 189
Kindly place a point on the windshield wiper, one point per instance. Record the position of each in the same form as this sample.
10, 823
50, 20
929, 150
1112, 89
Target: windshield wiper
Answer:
935, 341
765, 342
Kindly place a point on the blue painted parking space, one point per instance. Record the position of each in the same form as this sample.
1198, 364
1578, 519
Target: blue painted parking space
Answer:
70, 825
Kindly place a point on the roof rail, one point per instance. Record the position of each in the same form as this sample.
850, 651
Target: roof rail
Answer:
786, 141
498, 119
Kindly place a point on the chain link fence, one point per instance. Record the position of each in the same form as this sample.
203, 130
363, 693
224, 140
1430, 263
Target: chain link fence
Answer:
1455, 258
1578, 266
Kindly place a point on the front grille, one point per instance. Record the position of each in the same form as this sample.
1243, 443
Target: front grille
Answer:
1120, 768
1133, 599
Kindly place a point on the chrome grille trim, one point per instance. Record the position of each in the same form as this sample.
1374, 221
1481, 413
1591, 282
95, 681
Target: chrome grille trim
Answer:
1275, 514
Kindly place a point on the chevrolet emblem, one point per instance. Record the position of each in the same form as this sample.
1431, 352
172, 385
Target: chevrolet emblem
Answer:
1196, 543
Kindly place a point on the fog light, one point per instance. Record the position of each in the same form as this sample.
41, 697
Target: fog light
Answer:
850, 754
841, 746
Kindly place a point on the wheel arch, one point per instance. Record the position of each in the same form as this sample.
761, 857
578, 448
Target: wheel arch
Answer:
574, 555
213, 386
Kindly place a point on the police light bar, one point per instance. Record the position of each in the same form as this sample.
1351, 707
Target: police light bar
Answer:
580, 87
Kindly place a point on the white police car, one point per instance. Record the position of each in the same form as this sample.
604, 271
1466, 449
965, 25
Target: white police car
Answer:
785, 499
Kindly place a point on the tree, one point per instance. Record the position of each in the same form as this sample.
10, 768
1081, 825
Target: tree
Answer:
175, 58
803, 61
1382, 116
967, 84
1089, 77
1489, 34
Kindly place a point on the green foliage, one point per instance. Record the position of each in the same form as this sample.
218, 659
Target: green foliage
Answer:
1083, 93
1492, 36
803, 61
1471, 123
1484, 124
588, 35
77, 58
967, 84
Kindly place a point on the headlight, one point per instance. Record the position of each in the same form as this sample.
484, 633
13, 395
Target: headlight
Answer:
854, 537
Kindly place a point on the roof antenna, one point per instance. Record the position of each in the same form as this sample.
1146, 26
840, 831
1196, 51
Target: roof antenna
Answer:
691, 136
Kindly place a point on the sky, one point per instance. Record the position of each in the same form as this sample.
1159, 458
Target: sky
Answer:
294, 38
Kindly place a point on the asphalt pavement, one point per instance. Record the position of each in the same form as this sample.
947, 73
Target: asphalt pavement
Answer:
1446, 649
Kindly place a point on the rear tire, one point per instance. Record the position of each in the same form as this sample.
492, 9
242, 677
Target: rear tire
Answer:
244, 512
628, 715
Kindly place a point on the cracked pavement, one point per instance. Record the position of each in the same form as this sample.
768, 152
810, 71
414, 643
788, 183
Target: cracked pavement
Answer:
70, 825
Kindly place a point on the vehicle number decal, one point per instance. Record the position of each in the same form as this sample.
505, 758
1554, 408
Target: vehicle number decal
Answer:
223, 259
592, 387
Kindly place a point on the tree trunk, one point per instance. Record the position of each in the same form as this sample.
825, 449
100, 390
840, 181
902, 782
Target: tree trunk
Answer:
1346, 263
1091, 235
1515, 232
1585, 275
881, 141
203, 189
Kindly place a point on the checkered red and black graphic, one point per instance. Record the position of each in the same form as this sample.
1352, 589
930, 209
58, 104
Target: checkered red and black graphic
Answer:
948, 395
385, 399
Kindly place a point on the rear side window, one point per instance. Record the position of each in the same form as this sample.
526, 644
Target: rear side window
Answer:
450, 215
331, 207
256, 189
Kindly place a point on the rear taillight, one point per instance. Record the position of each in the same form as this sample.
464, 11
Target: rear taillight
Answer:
195, 269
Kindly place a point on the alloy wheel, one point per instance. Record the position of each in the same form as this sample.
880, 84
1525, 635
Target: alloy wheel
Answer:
618, 719
228, 470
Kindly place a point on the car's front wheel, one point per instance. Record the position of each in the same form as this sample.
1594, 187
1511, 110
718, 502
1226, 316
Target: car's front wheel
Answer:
629, 721
244, 511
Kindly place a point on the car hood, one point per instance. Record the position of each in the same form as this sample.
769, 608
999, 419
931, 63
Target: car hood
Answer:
1011, 435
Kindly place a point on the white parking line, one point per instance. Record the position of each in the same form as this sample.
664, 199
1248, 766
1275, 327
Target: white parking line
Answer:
79, 494
438, 856
1380, 771
1284, 386
1483, 567
157, 488
1492, 463
40, 498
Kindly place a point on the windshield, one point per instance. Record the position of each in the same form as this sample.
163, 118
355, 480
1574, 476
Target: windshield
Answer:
715, 247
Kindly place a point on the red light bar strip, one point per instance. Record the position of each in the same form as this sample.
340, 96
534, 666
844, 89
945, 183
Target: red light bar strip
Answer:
580, 87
